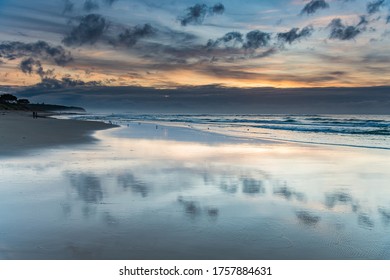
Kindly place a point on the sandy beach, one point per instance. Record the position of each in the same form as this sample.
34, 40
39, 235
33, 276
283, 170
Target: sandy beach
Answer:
161, 192
21, 132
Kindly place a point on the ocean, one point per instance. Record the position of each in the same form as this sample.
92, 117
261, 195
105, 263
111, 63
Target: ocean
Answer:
370, 131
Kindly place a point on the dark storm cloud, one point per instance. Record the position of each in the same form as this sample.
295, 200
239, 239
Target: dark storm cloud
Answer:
344, 32
197, 13
41, 49
90, 5
375, 6
295, 34
313, 6
68, 6
130, 36
388, 19
256, 39
89, 30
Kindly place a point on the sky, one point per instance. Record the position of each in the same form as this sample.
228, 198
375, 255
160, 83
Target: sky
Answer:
169, 44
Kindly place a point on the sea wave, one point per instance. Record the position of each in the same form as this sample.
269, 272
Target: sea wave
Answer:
360, 130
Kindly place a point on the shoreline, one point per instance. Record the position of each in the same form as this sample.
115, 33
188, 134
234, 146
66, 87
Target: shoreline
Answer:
259, 139
182, 188
20, 132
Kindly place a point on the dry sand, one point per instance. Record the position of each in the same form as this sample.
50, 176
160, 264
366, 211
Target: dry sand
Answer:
20, 132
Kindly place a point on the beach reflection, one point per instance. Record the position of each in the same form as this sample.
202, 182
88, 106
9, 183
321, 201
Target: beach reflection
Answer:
385, 213
134, 198
128, 180
88, 187
308, 218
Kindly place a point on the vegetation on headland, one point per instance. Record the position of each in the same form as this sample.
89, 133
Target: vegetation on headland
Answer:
11, 102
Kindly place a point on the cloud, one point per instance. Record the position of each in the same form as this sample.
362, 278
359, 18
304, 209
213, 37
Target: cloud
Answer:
253, 40
89, 30
41, 49
27, 65
31, 65
256, 39
344, 32
224, 100
230, 37
65, 82
90, 5
131, 36
266, 53
110, 2
375, 6
388, 19
68, 6
197, 13
294, 34
218, 9
313, 6
363, 21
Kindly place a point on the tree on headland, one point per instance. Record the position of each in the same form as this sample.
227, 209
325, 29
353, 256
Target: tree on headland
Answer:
8, 98
23, 101
11, 102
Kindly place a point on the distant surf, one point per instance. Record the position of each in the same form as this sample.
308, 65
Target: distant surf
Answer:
369, 131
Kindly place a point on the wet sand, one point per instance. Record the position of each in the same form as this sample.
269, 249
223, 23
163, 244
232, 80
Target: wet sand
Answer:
178, 193
20, 132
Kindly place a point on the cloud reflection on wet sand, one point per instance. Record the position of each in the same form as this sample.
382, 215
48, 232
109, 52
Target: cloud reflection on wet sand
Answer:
137, 198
